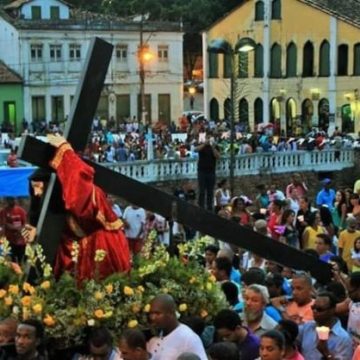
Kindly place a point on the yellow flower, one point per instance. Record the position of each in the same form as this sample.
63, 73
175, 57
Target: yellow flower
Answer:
45, 285
100, 255
132, 323
99, 313
28, 288
147, 308
128, 291
108, 314
8, 301
212, 278
99, 295
209, 286
13, 289
183, 307
49, 320
26, 301
192, 280
140, 289
165, 290
109, 288
2, 293
136, 308
37, 308
204, 313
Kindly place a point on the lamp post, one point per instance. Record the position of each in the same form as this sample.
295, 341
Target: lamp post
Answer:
221, 46
144, 55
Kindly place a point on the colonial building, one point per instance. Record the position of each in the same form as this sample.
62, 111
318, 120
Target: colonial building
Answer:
46, 43
304, 70
11, 97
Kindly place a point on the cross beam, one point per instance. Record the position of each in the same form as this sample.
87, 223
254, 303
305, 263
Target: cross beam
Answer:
51, 221
148, 197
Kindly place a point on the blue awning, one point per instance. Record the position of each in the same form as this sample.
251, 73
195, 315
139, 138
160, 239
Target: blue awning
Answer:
15, 181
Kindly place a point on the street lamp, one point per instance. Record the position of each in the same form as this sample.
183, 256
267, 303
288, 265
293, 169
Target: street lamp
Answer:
221, 46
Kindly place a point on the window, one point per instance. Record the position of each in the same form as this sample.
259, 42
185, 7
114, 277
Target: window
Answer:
227, 66
38, 108
343, 56
57, 108
227, 109
259, 61
163, 53
324, 68
291, 60
276, 10
259, 11
74, 52
36, 12
214, 109
213, 65
275, 66
243, 64
308, 60
357, 59
36, 52
54, 12
244, 113
121, 52
258, 111
55, 53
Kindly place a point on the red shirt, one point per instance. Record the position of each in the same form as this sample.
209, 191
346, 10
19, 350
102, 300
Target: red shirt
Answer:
13, 216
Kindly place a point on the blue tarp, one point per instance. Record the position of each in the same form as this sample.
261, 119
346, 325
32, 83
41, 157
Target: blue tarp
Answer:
15, 181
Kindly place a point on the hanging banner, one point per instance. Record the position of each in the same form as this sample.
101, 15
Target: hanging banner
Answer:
15, 181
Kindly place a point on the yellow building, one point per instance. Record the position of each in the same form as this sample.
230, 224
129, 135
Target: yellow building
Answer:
304, 71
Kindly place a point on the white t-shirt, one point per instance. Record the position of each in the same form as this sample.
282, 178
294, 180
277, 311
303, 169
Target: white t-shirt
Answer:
353, 327
136, 220
180, 340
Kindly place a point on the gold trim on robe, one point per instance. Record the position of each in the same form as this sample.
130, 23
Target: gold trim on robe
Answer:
55, 162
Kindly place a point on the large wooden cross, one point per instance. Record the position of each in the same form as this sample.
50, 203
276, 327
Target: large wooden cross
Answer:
77, 131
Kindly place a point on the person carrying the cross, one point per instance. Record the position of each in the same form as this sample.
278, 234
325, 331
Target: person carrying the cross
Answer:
91, 224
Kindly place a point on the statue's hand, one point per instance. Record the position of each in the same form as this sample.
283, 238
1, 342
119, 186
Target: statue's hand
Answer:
28, 233
56, 140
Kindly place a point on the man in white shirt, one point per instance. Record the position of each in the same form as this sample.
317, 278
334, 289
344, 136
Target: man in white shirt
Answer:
134, 220
175, 338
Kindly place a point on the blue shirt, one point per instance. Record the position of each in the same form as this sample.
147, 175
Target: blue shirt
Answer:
249, 348
326, 197
339, 343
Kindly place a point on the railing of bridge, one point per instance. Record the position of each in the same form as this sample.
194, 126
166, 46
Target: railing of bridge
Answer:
248, 164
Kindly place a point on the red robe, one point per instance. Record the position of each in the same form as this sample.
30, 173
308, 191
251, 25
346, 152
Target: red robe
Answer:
90, 221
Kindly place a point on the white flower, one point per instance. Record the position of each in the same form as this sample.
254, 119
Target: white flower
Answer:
91, 322
15, 309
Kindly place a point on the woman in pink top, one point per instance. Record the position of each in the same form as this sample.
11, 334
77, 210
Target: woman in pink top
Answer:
290, 331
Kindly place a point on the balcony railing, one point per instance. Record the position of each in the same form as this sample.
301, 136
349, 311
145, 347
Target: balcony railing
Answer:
250, 164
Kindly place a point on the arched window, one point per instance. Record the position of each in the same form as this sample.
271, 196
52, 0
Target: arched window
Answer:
291, 125
227, 66
308, 60
324, 65
243, 64
258, 111
347, 119
214, 109
227, 109
275, 66
276, 10
357, 59
259, 61
343, 57
213, 65
291, 60
323, 113
307, 111
259, 11
244, 112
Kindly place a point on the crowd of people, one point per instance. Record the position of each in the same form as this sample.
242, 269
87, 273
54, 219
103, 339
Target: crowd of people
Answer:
128, 141
273, 313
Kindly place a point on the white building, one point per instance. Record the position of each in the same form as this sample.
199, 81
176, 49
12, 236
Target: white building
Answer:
46, 43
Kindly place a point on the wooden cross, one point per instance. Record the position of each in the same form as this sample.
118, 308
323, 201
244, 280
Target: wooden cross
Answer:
40, 153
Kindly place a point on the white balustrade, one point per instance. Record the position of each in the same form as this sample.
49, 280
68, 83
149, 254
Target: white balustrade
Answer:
249, 164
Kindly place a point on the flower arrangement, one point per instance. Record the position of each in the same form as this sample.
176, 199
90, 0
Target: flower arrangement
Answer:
120, 301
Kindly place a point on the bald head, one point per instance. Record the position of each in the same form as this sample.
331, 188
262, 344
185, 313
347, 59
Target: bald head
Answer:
166, 302
163, 313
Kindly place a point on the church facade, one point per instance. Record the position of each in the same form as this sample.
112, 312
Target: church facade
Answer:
303, 70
